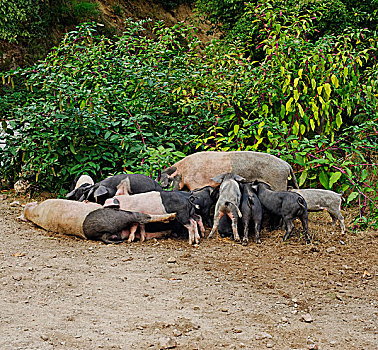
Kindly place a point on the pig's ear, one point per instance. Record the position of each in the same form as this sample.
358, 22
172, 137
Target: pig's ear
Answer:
239, 178
218, 178
169, 171
101, 190
71, 194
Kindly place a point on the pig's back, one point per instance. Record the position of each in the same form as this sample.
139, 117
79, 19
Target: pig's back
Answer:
61, 215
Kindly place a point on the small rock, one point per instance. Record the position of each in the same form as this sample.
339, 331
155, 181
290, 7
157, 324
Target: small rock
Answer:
167, 343
263, 335
312, 347
307, 318
196, 308
224, 310
14, 204
294, 300
44, 337
78, 294
332, 342
331, 249
171, 260
284, 320
17, 277
177, 333
3, 196
338, 297
269, 345
341, 242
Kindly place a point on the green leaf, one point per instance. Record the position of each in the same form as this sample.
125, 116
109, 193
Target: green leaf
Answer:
334, 177
364, 174
302, 178
301, 112
352, 196
236, 129
288, 105
327, 88
107, 134
323, 178
72, 148
339, 121
312, 124
313, 83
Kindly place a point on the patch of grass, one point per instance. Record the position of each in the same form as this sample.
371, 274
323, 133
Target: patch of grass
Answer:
85, 9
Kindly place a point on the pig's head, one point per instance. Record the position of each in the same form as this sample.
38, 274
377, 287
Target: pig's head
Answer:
102, 193
169, 177
28, 210
227, 176
81, 193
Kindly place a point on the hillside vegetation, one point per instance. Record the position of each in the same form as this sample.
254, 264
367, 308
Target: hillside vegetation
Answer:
282, 79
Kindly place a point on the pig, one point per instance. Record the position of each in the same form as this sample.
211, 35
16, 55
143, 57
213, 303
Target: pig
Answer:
99, 192
251, 210
160, 203
228, 202
82, 180
80, 185
287, 205
195, 171
319, 199
88, 220
204, 198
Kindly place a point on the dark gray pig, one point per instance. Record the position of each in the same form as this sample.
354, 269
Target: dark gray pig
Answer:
195, 171
287, 205
228, 202
204, 198
99, 192
160, 203
319, 199
88, 220
251, 210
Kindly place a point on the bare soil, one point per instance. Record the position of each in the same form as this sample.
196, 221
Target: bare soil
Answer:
60, 292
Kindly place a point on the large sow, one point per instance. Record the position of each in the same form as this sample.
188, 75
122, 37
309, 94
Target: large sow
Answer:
196, 170
88, 220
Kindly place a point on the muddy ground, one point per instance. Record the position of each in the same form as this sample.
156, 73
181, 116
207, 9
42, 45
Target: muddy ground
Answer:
60, 292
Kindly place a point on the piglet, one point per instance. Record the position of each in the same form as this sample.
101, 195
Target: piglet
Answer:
319, 199
287, 205
228, 202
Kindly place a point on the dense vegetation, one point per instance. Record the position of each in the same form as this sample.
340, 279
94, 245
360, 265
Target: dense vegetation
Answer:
289, 85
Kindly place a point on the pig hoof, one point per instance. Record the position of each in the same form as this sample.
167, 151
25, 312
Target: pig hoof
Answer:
245, 243
258, 241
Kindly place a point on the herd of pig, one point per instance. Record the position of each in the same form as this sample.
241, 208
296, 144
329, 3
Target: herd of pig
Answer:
241, 187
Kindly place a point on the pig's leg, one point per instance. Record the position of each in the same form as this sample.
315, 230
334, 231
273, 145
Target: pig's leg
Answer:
257, 232
337, 216
234, 225
216, 223
197, 237
245, 234
190, 229
142, 232
198, 218
289, 228
133, 229
304, 221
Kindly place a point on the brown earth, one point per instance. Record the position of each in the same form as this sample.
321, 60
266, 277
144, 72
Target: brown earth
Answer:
59, 292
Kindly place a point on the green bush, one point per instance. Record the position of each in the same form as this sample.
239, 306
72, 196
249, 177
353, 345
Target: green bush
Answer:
104, 106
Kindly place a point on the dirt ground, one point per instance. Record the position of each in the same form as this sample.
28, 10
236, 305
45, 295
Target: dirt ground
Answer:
60, 292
